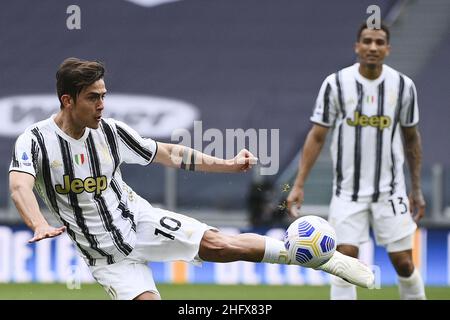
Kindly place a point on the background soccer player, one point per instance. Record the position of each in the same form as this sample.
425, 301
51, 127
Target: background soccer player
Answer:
73, 159
369, 105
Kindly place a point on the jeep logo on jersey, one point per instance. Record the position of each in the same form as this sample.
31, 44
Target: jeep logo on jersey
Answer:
153, 117
77, 186
362, 120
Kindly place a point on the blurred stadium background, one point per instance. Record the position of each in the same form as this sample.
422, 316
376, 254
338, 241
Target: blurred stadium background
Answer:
231, 64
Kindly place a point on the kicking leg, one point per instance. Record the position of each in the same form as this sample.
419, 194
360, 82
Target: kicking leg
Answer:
219, 247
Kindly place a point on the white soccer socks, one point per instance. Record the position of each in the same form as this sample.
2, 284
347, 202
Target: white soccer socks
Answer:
350, 269
341, 289
275, 252
412, 288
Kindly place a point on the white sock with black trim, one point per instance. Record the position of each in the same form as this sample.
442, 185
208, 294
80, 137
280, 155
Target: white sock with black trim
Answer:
275, 252
412, 287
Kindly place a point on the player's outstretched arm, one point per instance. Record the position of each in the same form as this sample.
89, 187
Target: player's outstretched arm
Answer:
311, 150
21, 188
178, 156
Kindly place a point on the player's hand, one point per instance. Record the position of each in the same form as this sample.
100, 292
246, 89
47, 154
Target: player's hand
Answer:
417, 205
46, 231
295, 201
243, 161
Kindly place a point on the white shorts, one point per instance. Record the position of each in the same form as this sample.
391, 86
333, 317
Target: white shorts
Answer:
390, 220
161, 236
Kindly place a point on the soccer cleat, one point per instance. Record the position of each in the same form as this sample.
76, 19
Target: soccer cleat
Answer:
350, 269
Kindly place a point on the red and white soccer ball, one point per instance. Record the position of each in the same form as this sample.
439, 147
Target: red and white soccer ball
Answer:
310, 241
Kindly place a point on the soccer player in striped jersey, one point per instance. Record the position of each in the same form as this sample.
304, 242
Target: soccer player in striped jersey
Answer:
73, 160
369, 105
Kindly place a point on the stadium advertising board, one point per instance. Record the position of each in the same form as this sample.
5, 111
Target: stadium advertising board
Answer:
55, 260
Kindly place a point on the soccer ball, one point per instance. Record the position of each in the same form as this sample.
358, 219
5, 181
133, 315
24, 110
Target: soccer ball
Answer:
310, 241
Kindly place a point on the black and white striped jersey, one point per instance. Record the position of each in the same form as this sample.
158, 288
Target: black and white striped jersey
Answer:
81, 183
366, 145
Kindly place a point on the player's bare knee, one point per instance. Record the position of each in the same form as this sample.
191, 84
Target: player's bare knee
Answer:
404, 267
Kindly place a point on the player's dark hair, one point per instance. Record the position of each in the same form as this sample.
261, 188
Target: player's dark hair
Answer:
75, 74
383, 27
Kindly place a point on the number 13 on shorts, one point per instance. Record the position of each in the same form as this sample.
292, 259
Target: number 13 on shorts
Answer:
399, 205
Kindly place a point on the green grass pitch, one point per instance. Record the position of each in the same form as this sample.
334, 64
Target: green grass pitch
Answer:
205, 292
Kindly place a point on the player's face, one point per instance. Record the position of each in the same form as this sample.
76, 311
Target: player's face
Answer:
87, 111
372, 47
